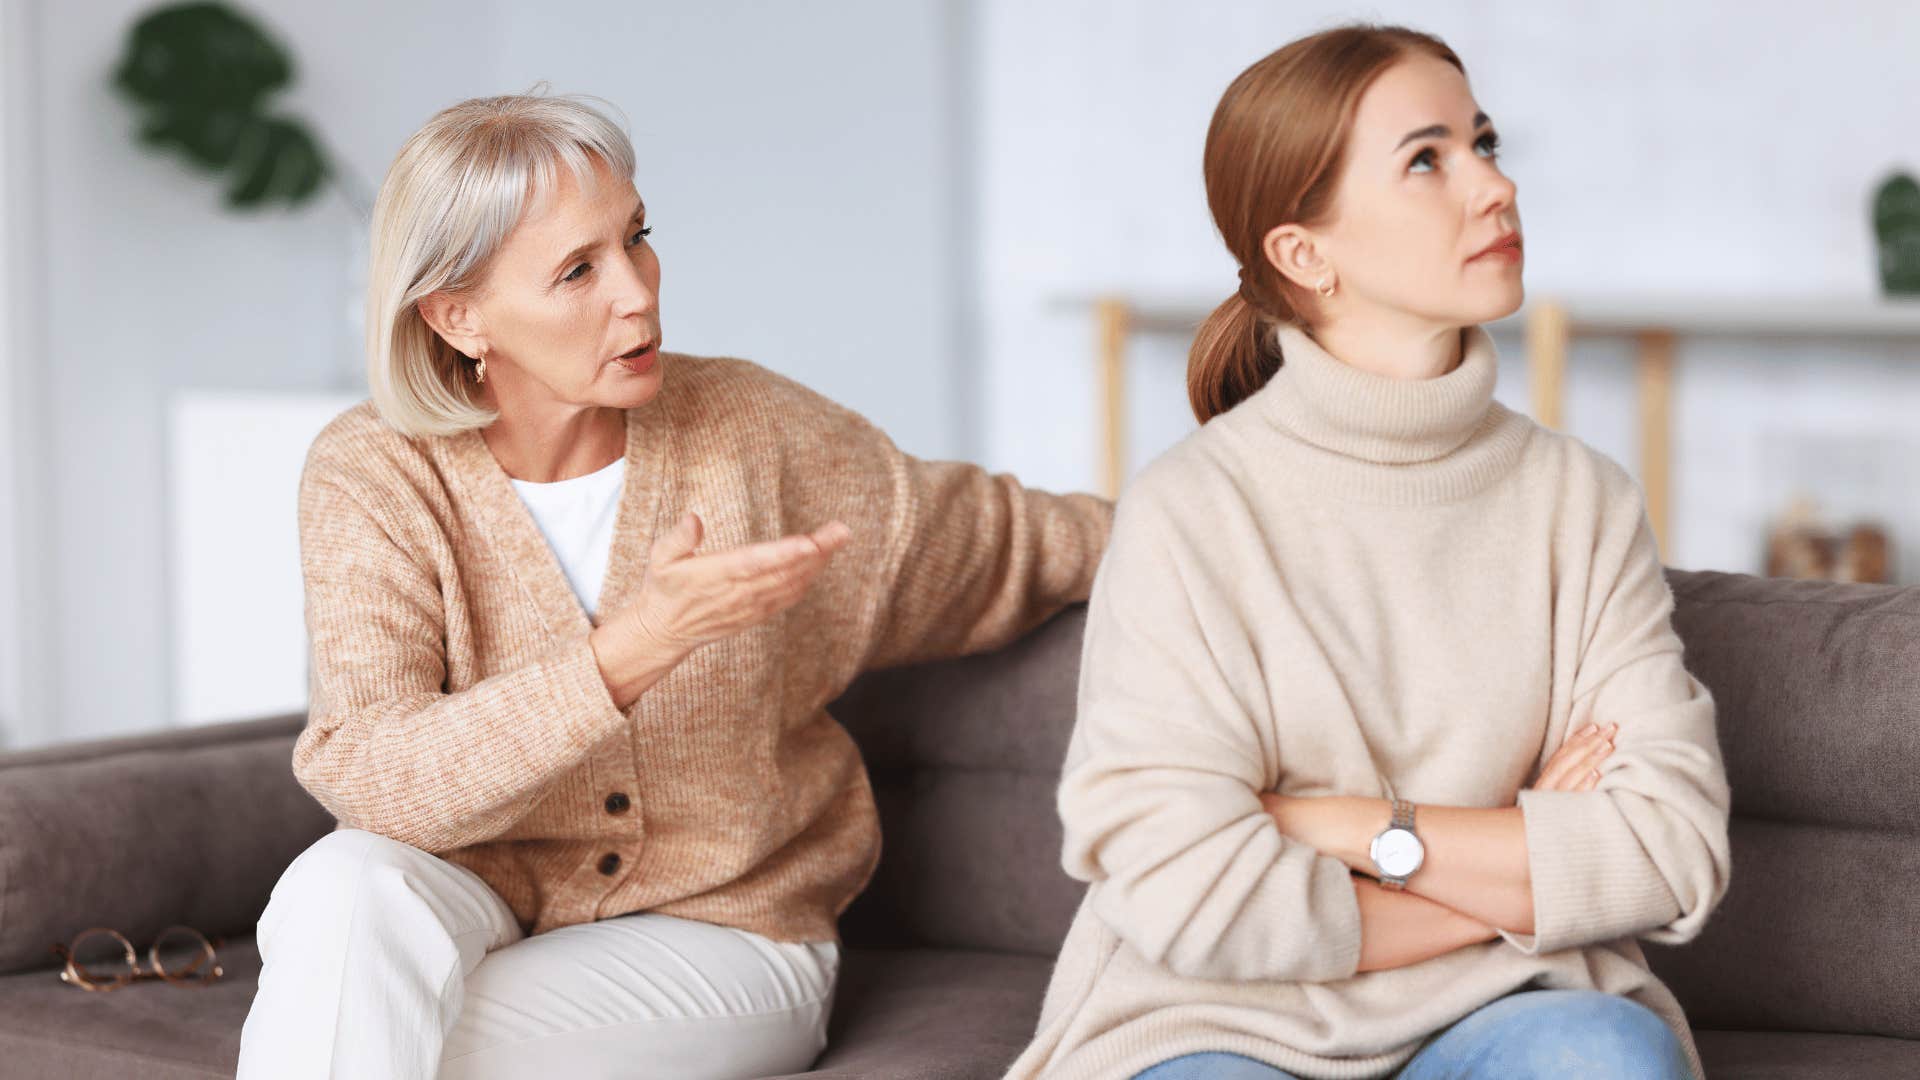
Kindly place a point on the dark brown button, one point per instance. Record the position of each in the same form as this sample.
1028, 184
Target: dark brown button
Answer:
610, 863
618, 802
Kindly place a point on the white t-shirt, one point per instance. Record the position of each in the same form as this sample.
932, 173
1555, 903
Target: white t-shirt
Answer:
577, 517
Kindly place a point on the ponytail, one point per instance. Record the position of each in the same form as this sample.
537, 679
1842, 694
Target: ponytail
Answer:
1234, 353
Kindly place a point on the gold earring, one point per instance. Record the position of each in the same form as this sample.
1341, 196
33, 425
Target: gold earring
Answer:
480, 369
1326, 287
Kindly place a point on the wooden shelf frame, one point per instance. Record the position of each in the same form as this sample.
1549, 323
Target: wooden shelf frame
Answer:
1655, 323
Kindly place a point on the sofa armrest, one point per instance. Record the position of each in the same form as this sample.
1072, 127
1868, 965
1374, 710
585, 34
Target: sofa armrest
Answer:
189, 826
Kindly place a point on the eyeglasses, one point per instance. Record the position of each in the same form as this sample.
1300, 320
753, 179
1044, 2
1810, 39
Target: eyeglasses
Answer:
181, 955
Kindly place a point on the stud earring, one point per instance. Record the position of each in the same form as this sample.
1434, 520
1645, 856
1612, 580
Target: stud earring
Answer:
1326, 287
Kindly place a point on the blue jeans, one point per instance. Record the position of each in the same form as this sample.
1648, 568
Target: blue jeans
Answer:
1558, 1034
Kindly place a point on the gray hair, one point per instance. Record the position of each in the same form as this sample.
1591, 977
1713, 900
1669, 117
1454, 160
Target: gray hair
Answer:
454, 192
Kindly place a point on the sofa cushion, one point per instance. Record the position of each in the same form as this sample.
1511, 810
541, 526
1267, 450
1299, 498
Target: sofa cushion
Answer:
1817, 689
136, 834
931, 1014
148, 1029
1803, 1055
899, 1014
907, 1014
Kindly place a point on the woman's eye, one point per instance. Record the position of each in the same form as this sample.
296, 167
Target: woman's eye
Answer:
576, 272
1490, 140
644, 232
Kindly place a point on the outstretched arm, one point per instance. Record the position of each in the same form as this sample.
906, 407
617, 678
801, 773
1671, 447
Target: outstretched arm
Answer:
976, 560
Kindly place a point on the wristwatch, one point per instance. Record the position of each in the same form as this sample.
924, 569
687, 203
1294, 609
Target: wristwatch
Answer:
1397, 851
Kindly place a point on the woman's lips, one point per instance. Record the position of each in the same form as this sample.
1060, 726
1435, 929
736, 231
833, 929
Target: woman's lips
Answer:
1508, 252
640, 361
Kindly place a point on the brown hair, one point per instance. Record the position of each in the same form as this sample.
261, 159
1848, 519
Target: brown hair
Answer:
1274, 155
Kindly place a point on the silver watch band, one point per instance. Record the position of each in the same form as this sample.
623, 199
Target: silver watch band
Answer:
1402, 819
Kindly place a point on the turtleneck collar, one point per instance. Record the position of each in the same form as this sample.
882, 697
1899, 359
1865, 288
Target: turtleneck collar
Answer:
1359, 414
1376, 439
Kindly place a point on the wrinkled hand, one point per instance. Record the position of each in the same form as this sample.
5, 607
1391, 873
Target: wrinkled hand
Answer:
690, 600
1575, 766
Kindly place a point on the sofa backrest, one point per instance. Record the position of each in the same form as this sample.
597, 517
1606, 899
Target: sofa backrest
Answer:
964, 757
189, 826
1817, 694
1817, 688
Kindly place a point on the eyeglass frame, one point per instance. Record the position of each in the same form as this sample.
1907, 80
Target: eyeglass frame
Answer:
72, 976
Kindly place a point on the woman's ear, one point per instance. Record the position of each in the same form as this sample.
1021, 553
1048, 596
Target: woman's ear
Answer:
455, 320
1292, 251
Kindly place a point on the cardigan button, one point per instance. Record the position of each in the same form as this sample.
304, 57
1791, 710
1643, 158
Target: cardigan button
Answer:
618, 802
610, 863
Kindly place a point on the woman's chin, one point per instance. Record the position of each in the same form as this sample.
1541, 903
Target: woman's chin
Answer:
1497, 306
634, 390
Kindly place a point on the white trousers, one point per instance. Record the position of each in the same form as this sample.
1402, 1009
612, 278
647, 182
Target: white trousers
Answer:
380, 960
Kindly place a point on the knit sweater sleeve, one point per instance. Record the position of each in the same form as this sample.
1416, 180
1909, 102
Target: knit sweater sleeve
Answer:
1646, 851
961, 561
1160, 792
386, 748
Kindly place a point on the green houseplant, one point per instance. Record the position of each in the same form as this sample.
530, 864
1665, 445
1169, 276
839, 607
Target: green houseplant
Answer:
201, 76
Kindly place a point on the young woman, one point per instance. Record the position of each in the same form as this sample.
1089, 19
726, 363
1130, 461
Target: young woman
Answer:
1342, 628
576, 611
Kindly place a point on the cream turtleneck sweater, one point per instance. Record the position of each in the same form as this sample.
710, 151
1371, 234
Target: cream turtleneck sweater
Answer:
1355, 585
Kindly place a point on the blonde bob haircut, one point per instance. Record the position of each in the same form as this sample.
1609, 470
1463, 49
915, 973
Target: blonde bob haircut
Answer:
454, 192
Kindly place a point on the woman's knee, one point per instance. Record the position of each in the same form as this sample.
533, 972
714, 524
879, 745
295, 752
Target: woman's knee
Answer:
1213, 1065
345, 878
1578, 1033
337, 864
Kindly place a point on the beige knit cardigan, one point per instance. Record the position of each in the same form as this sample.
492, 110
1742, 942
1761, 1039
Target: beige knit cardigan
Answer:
456, 705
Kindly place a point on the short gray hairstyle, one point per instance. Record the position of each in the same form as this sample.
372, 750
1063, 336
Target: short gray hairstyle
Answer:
454, 192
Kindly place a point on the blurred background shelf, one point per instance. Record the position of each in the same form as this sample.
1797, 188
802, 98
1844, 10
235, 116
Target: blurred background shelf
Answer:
1549, 326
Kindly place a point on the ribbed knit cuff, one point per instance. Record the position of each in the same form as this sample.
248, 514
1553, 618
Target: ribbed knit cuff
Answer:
1334, 918
1592, 879
579, 703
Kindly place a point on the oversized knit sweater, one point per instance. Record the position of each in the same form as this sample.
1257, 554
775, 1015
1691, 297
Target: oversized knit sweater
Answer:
457, 706
1355, 585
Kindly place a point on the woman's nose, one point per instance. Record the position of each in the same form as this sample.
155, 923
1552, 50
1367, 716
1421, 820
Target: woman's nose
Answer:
1497, 189
633, 296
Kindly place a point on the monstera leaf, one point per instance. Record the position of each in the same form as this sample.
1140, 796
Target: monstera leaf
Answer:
200, 74
1896, 221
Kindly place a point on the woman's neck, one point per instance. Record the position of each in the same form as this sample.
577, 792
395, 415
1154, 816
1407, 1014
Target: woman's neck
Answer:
548, 441
1393, 350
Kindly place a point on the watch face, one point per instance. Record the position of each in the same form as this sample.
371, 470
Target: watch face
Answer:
1398, 852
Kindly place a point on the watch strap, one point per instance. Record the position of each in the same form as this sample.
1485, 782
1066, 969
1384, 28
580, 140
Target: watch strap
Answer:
1402, 819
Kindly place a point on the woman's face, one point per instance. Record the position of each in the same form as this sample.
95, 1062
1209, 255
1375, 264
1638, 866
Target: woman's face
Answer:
1419, 197
571, 293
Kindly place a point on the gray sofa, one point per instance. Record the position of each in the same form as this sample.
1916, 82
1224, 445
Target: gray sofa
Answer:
1811, 968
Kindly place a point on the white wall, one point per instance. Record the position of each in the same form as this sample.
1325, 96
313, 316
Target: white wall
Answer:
1666, 148
24, 685
793, 155
883, 199
798, 162
10, 689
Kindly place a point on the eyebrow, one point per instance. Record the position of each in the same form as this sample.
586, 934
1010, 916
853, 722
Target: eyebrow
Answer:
639, 210
1441, 131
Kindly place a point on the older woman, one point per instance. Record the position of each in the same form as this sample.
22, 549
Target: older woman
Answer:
576, 608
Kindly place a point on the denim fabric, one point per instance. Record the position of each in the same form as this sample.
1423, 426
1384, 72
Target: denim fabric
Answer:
1557, 1034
